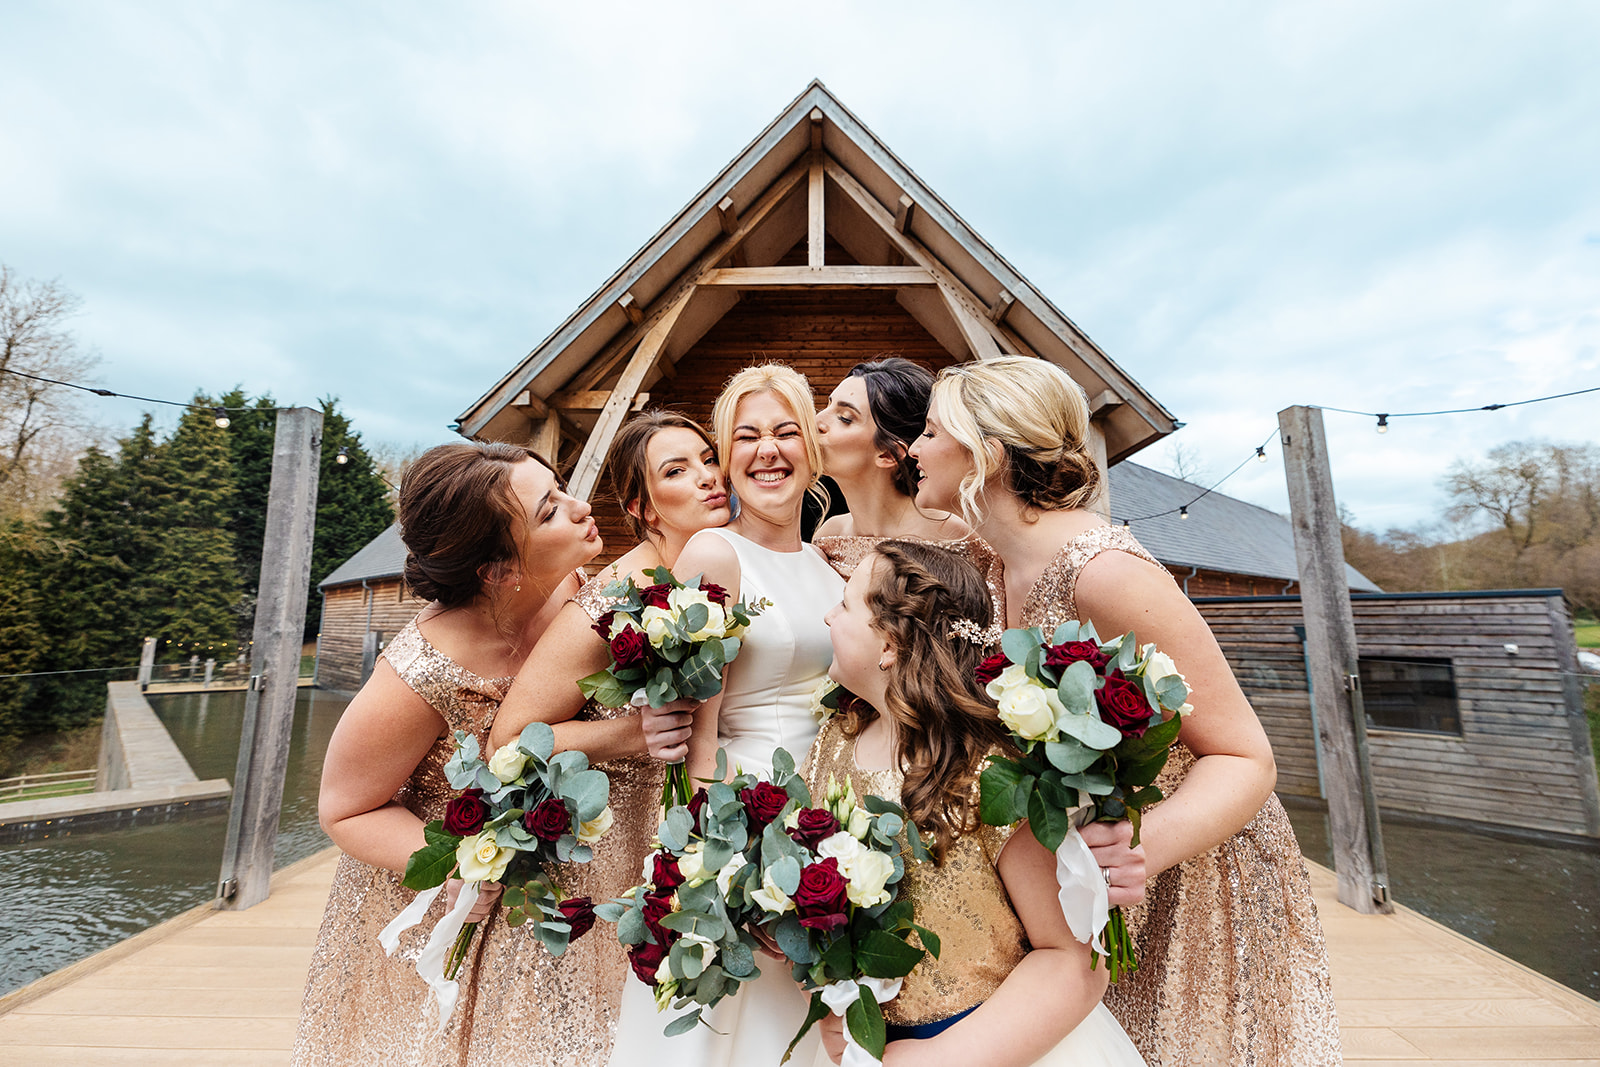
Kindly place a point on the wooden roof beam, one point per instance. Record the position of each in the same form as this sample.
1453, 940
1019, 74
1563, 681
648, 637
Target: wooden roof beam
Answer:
819, 277
816, 229
630, 308
590, 399
1001, 307
1103, 403
530, 405
816, 129
904, 211
979, 341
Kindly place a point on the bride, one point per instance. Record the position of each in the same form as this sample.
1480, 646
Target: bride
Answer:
766, 436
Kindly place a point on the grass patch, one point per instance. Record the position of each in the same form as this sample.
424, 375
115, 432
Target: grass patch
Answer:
308, 664
1587, 632
68, 750
46, 790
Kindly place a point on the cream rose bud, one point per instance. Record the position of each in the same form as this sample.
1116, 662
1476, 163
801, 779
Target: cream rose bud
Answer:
481, 859
860, 822
593, 830
770, 897
507, 762
664, 972
657, 623
665, 989
867, 872
729, 869
1186, 709
716, 625
692, 865
1031, 711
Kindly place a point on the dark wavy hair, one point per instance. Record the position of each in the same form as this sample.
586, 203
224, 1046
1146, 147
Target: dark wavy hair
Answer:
946, 721
898, 391
458, 518
630, 474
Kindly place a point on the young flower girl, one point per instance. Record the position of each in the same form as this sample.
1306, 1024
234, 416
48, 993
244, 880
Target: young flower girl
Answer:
1011, 985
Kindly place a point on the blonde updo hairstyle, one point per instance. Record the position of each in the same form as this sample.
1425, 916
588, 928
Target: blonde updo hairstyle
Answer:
789, 386
1023, 418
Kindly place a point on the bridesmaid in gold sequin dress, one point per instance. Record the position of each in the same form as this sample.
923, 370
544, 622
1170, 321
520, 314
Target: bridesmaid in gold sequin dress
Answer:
493, 542
667, 480
1011, 986
1233, 966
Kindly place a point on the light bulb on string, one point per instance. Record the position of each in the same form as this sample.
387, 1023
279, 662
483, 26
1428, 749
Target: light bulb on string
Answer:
1125, 522
1383, 423
1261, 453
344, 455
1183, 512
222, 418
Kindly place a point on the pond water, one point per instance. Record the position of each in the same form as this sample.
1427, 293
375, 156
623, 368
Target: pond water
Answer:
75, 895
1538, 904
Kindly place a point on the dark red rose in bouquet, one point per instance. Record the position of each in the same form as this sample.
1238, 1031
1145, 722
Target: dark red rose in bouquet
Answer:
1123, 705
579, 913
548, 820
466, 814
990, 668
813, 826
823, 896
664, 875
602, 626
763, 802
697, 804
714, 592
645, 958
655, 596
658, 906
1070, 652
629, 647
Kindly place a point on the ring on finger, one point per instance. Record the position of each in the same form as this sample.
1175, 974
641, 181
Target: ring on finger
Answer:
1105, 872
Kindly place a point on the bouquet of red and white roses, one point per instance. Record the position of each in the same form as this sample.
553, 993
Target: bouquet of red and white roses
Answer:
1094, 722
519, 812
825, 884
668, 641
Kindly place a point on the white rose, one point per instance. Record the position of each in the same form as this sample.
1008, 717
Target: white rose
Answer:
716, 620
1186, 709
860, 822
692, 865
507, 762
664, 972
729, 869
1160, 666
481, 859
593, 830
1014, 675
867, 872
1030, 711
840, 846
770, 897
701, 946
657, 623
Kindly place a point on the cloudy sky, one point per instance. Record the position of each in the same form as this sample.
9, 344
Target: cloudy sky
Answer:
1359, 204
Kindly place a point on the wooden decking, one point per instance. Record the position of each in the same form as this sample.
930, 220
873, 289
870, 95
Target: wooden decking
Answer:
224, 987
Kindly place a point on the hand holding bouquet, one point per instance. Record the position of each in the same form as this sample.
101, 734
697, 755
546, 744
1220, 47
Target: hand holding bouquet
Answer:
1094, 722
520, 811
668, 641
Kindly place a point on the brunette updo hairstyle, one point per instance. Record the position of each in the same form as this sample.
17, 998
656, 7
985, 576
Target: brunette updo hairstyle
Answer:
946, 721
1039, 418
897, 397
630, 471
458, 518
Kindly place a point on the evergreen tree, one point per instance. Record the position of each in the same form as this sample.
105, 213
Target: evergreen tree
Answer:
352, 504
22, 641
252, 427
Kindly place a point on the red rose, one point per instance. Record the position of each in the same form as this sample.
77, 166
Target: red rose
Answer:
602, 626
813, 825
991, 667
1122, 704
1070, 652
655, 596
715, 593
466, 814
548, 820
763, 802
822, 896
579, 913
658, 906
665, 876
697, 804
629, 647
645, 958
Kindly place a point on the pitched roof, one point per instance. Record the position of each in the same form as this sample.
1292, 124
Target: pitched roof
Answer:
382, 557
1220, 534
758, 203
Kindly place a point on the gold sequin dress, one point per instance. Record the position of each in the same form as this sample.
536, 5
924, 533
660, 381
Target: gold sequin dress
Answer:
1233, 968
518, 1005
964, 901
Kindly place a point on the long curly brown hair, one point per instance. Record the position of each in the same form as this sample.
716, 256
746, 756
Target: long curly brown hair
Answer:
945, 721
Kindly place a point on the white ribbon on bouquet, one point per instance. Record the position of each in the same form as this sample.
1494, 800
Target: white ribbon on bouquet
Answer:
430, 965
838, 996
1083, 888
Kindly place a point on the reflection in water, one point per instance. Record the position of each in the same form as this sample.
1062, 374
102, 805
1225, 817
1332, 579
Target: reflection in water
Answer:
1535, 903
75, 895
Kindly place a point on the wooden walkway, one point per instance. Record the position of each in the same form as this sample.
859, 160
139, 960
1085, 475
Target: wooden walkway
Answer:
224, 987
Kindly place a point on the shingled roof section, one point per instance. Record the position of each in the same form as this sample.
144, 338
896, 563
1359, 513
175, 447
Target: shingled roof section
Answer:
382, 557
1220, 534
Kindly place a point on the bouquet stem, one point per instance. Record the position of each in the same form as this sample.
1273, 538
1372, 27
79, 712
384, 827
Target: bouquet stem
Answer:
458, 951
675, 789
1120, 957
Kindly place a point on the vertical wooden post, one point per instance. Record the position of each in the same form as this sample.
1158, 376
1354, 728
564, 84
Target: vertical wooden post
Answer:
274, 661
147, 662
1333, 667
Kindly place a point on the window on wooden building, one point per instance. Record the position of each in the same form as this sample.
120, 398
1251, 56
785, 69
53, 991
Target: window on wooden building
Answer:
1410, 694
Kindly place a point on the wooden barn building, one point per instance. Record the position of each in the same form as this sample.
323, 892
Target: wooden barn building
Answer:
816, 246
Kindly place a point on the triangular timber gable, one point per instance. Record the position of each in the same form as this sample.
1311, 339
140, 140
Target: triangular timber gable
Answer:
816, 246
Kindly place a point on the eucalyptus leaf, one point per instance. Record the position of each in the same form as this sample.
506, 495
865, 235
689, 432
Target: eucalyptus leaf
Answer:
631, 928
1090, 730
675, 829
1070, 755
785, 874
589, 791
782, 764
793, 939
1017, 643
537, 740
683, 1023
1076, 688
1071, 630
685, 959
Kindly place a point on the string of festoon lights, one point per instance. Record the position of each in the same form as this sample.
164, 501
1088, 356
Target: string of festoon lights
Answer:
1383, 417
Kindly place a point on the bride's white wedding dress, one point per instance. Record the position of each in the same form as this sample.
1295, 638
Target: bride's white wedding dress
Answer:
766, 704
